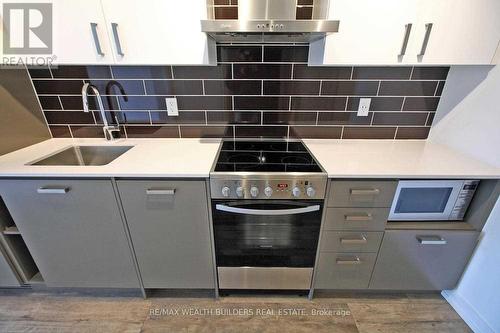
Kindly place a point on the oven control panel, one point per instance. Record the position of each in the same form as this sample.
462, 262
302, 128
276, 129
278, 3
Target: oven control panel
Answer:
247, 188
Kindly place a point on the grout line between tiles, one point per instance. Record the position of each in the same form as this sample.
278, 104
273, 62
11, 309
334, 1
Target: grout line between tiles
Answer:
437, 86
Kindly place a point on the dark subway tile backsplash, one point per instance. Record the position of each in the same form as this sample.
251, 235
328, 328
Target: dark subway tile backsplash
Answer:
381, 73
173, 87
307, 72
233, 87
286, 53
256, 90
291, 87
262, 71
239, 53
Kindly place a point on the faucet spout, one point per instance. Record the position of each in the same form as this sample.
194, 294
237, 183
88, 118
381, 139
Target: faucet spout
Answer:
110, 132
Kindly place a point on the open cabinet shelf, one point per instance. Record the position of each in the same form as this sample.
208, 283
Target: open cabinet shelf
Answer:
16, 253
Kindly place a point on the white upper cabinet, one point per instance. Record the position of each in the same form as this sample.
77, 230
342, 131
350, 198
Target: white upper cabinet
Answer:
158, 32
79, 34
146, 32
441, 32
370, 32
462, 32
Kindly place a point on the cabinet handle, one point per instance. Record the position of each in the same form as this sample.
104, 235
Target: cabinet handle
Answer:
431, 240
151, 191
93, 27
350, 261
374, 191
428, 28
366, 217
405, 39
361, 240
53, 190
114, 27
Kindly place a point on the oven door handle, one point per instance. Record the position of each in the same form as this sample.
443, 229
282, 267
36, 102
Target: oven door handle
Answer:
246, 211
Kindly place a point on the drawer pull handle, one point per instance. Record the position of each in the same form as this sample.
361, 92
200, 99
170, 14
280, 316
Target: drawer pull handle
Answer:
355, 261
361, 240
431, 240
53, 190
357, 218
374, 191
151, 191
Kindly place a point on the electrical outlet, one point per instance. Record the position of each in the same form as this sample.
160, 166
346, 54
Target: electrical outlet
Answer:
172, 109
364, 107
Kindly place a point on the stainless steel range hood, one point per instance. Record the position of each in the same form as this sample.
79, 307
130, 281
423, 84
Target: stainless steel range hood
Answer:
271, 21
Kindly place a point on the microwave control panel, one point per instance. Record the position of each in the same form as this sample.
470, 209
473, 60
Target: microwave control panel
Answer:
464, 198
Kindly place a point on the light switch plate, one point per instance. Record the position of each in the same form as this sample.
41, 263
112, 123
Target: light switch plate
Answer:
172, 109
364, 107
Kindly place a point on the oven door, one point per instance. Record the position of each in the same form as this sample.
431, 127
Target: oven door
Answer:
425, 200
266, 233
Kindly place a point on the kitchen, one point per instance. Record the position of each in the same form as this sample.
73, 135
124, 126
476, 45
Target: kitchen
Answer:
230, 156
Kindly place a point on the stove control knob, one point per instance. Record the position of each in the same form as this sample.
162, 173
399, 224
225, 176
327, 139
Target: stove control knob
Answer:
254, 191
225, 191
310, 191
240, 191
268, 191
296, 191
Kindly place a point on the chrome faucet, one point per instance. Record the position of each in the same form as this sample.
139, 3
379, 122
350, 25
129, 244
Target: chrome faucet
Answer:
110, 132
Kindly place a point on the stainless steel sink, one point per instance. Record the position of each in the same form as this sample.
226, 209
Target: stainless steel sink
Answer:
84, 155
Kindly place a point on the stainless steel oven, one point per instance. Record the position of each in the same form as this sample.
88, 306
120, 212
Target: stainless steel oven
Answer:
267, 200
266, 244
432, 200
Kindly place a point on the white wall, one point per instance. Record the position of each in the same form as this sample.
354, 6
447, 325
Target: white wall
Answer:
468, 119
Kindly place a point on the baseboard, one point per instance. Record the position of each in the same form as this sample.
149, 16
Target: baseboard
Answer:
467, 312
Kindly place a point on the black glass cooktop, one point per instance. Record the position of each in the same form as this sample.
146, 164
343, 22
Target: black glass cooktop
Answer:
265, 156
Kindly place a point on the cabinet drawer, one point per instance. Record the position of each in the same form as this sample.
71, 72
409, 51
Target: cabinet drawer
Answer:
335, 241
422, 259
344, 270
365, 219
360, 193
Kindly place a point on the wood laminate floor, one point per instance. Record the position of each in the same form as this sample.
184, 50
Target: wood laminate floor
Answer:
47, 311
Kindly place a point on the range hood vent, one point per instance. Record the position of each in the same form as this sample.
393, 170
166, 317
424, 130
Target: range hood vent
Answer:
272, 21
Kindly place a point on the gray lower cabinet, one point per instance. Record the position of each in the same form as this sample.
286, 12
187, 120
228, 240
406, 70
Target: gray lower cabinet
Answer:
73, 230
422, 259
169, 227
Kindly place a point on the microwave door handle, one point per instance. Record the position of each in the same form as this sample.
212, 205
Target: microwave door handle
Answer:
246, 211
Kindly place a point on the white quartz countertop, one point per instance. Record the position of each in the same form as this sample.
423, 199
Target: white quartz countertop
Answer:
190, 158
194, 158
396, 159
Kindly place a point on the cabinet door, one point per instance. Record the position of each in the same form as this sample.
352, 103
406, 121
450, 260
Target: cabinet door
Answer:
78, 30
73, 230
169, 226
158, 32
463, 32
370, 32
422, 259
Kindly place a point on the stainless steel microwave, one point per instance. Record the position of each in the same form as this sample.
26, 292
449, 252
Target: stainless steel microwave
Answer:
435, 200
